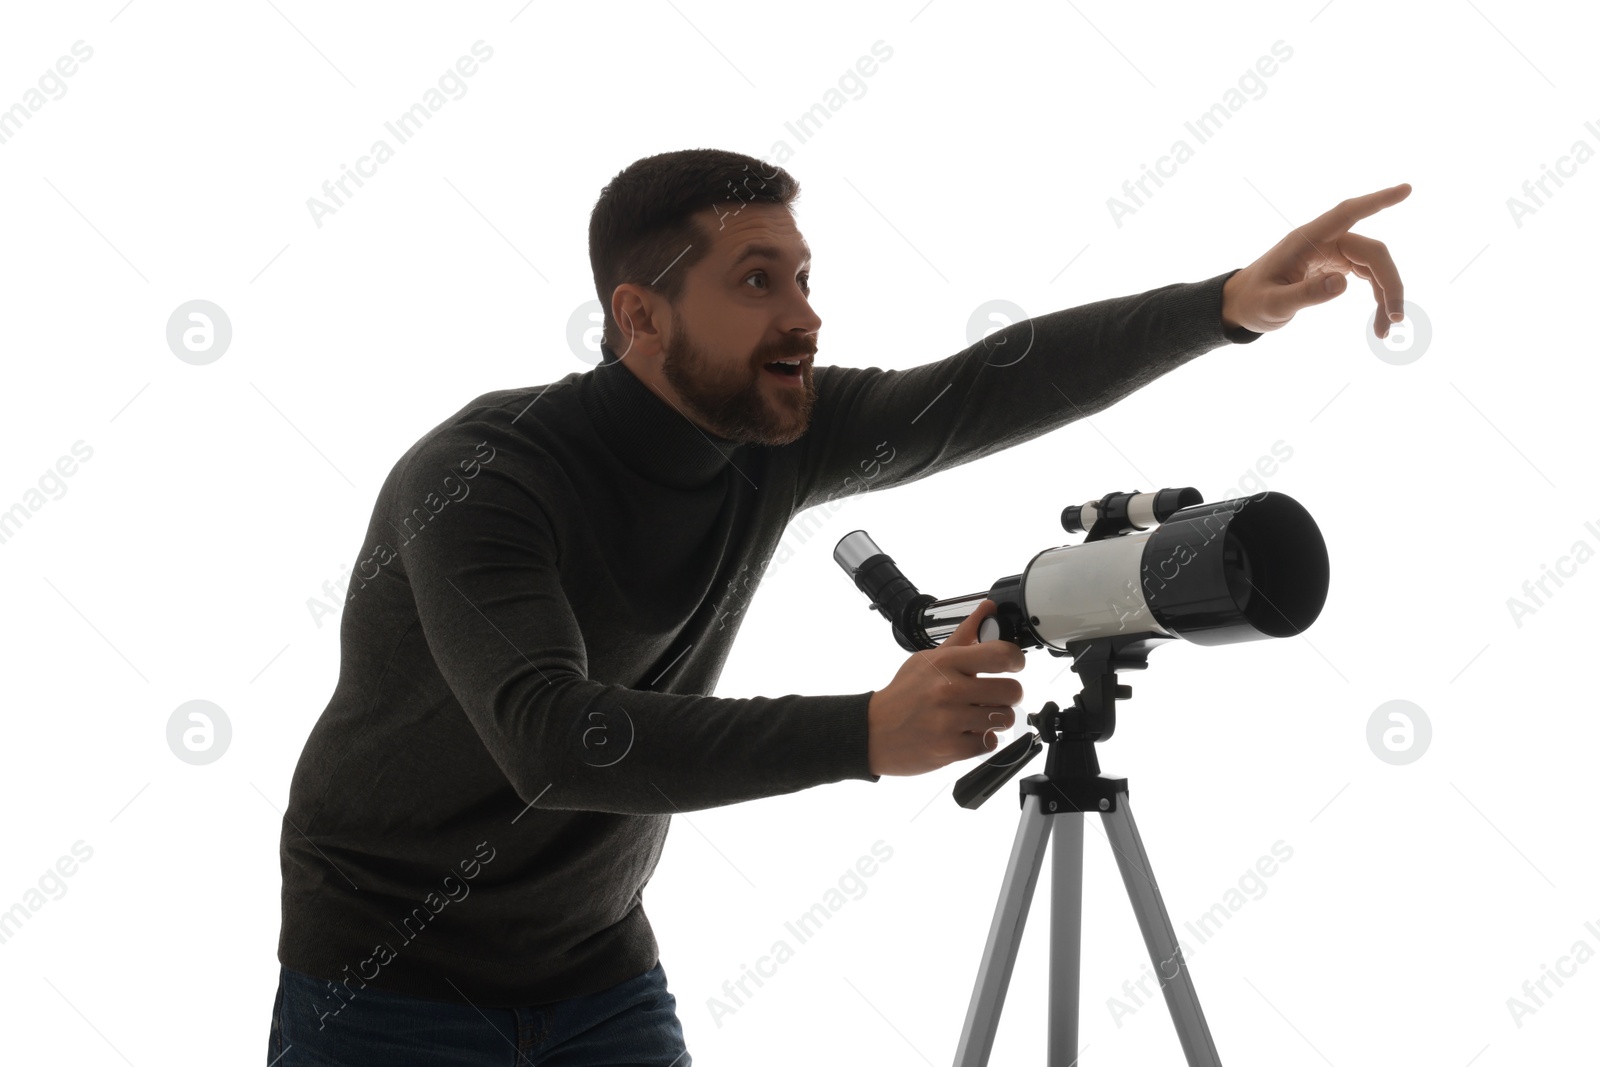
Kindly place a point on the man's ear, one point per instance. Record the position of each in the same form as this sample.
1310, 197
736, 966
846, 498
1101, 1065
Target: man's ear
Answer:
638, 314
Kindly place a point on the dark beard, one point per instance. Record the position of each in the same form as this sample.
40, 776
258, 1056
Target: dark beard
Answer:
731, 400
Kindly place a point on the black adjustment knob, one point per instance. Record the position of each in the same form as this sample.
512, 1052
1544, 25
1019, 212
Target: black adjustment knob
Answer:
1124, 692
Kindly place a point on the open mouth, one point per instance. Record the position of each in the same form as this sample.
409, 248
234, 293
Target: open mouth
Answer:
785, 368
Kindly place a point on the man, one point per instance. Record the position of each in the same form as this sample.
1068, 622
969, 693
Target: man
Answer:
553, 575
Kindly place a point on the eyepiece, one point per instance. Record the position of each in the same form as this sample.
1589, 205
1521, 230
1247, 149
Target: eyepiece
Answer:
853, 550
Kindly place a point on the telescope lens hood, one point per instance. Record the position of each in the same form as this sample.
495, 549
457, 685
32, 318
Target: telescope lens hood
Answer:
1236, 570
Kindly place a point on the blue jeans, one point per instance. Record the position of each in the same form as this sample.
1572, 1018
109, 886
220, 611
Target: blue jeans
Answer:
633, 1022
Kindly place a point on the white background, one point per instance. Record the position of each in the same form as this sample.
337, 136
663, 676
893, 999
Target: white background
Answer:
975, 165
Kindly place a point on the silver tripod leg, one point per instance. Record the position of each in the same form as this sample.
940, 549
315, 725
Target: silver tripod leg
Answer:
1066, 935
1034, 832
1005, 935
1172, 970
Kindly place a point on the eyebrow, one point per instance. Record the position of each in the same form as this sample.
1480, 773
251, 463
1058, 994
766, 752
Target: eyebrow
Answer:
752, 251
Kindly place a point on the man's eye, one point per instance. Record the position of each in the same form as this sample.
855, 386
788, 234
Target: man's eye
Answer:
805, 279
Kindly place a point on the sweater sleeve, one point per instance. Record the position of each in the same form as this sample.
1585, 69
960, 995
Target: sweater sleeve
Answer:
492, 600
873, 429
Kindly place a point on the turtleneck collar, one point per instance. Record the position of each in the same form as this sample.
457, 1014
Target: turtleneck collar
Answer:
648, 433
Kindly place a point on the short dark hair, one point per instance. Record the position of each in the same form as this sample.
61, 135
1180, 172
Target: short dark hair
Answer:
645, 218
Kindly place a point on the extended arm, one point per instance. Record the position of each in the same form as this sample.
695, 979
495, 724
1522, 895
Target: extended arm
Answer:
873, 429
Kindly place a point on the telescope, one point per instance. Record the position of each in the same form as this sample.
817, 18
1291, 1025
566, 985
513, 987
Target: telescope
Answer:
1153, 567
1238, 570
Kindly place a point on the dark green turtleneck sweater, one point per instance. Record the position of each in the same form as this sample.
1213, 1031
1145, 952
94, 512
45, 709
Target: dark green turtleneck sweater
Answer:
551, 579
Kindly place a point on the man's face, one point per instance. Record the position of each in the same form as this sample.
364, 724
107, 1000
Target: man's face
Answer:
741, 308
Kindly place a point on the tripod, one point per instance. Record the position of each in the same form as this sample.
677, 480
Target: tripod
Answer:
1054, 807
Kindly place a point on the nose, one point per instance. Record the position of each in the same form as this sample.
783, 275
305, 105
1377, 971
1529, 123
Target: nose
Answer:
802, 317
799, 312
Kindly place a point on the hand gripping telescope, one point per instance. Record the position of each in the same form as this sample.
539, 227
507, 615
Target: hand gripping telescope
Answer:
1241, 569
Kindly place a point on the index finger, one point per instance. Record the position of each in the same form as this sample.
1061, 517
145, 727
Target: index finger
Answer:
1347, 213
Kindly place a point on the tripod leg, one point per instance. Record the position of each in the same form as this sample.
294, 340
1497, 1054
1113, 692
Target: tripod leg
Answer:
1172, 972
1066, 936
1005, 935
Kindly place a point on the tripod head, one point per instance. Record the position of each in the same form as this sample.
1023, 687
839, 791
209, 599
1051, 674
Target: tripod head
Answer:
1071, 732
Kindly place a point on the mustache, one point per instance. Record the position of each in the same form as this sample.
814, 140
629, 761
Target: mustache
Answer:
788, 347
